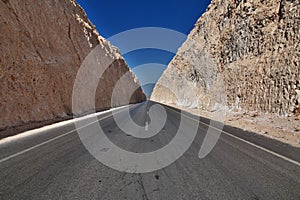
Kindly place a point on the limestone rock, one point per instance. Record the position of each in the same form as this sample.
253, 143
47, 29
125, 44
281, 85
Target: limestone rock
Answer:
42, 45
242, 55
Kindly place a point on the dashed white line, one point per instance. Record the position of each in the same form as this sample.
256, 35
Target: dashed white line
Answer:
146, 126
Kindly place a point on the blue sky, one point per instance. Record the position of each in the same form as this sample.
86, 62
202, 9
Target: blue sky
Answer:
114, 17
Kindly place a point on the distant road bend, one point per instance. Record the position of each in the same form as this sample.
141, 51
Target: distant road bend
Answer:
54, 164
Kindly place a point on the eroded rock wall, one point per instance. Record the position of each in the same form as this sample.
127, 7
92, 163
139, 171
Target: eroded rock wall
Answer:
244, 50
42, 45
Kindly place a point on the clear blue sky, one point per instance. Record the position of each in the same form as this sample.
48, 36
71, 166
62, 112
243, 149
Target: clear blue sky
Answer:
112, 17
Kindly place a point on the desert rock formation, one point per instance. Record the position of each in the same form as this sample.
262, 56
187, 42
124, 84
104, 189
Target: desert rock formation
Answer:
42, 45
241, 56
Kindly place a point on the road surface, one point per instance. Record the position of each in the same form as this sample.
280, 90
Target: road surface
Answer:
55, 165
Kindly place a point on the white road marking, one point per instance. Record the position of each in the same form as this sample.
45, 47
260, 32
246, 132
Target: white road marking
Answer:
147, 126
250, 143
60, 136
52, 126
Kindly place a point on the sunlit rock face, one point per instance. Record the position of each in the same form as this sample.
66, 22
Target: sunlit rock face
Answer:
42, 45
241, 55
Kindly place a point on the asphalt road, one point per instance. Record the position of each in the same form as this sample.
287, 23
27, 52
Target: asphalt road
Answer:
54, 164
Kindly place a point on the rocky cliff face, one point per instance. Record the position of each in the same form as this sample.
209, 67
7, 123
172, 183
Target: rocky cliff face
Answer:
243, 55
42, 45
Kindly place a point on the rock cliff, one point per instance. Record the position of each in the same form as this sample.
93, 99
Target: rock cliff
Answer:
42, 45
243, 55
